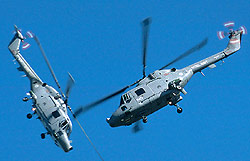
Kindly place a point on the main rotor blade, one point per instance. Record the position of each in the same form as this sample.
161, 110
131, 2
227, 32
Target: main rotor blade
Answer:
145, 30
83, 109
47, 61
190, 51
92, 144
70, 83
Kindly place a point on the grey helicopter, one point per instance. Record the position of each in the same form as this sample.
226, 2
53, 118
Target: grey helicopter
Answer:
164, 86
48, 104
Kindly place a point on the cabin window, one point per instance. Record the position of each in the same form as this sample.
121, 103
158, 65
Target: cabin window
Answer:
55, 114
173, 69
140, 91
123, 108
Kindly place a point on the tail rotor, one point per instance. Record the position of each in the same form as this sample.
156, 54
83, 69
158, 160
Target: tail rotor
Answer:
18, 31
230, 25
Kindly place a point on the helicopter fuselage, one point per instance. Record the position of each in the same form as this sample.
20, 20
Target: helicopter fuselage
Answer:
47, 102
159, 89
163, 87
52, 112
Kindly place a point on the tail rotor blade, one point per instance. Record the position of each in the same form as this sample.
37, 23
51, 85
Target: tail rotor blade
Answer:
145, 31
229, 25
190, 51
30, 34
25, 45
221, 35
243, 29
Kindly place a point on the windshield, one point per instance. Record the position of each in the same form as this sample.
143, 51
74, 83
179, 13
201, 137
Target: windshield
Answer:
125, 99
121, 102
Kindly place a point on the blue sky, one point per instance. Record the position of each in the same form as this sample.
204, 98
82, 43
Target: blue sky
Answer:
99, 43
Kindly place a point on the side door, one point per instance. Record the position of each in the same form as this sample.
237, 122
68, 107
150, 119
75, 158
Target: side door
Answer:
157, 86
142, 94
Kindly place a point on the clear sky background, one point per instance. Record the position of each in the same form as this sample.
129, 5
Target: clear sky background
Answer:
99, 43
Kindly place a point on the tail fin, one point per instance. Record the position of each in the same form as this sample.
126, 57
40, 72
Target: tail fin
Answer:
234, 42
15, 42
14, 49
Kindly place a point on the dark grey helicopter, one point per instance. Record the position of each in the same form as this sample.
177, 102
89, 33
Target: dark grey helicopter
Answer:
162, 87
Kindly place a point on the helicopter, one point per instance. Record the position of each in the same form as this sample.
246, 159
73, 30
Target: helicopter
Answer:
164, 86
48, 104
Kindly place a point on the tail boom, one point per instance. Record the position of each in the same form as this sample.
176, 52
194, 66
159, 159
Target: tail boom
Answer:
233, 46
24, 66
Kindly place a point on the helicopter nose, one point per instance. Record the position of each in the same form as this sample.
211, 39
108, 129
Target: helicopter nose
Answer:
114, 121
69, 149
64, 142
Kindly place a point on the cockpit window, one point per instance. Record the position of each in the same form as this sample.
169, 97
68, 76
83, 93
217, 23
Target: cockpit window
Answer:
140, 91
55, 114
59, 133
64, 123
125, 99
123, 108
